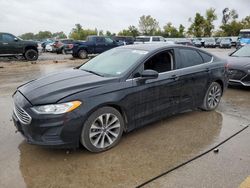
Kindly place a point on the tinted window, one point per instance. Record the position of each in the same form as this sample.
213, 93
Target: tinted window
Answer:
1, 37
108, 40
189, 58
100, 39
161, 62
156, 39
142, 39
206, 58
7, 38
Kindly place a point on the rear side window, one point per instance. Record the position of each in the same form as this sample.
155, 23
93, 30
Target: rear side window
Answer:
189, 58
100, 39
156, 39
206, 58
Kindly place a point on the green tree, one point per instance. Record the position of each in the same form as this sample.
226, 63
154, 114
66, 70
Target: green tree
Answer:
148, 25
108, 33
197, 27
229, 15
210, 17
43, 35
181, 30
59, 35
170, 31
78, 33
131, 31
28, 36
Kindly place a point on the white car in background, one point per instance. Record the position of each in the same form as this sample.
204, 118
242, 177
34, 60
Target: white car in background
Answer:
149, 39
49, 47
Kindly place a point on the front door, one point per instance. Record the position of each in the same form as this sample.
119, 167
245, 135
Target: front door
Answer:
157, 98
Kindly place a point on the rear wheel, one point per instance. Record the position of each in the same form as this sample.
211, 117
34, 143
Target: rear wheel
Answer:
31, 55
82, 54
102, 130
212, 97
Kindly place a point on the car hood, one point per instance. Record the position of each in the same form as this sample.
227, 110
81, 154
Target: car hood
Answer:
239, 62
52, 88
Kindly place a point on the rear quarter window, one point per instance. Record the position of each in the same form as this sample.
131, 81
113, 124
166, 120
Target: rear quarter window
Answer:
189, 57
206, 57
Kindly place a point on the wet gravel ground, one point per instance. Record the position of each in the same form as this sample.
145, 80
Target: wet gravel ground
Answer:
141, 154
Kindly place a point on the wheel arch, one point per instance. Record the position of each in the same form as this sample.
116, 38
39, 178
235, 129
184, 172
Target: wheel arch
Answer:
115, 106
30, 47
221, 84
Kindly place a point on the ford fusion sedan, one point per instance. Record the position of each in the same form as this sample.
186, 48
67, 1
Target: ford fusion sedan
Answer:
239, 67
117, 91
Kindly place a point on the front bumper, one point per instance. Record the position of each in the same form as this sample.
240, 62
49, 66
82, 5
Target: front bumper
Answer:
57, 131
239, 77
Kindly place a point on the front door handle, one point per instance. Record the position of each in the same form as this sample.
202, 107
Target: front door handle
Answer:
5, 43
208, 70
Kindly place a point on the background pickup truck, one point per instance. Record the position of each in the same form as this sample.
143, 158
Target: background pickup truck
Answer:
11, 45
93, 45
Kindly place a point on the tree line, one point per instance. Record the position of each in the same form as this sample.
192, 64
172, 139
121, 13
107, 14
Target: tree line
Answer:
200, 26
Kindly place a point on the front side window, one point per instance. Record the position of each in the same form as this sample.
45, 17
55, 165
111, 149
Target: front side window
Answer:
162, 62
142, 39
206, 58
113, 62
189, 58
108, 40
7, 38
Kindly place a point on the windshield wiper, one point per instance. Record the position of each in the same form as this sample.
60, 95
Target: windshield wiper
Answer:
93, 72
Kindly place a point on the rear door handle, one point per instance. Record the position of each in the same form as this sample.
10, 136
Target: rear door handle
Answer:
5, 43
175, 77
208, 70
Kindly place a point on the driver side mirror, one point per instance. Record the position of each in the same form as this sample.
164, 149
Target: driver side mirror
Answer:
15, 39
148, 74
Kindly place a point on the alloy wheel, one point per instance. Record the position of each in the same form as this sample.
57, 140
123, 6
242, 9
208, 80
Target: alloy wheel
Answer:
105, 130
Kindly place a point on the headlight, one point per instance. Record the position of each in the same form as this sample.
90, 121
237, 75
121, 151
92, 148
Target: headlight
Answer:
56, 108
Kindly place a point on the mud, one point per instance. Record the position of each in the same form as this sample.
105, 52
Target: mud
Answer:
141, 154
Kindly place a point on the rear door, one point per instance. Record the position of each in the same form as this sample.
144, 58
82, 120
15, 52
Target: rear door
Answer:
100, 45
194, 76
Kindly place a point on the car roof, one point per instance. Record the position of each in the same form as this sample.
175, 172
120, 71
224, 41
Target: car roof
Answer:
150, 47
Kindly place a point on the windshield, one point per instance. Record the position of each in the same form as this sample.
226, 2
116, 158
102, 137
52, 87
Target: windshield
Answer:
113, 62
245, 34
242, 52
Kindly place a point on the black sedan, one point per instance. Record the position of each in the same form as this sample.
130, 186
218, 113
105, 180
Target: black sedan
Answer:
239, 67
116, 92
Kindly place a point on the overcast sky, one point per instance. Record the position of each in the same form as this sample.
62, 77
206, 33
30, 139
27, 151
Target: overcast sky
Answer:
21, 16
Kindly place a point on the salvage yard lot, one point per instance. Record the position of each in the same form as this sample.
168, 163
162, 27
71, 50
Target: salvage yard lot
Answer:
141, 155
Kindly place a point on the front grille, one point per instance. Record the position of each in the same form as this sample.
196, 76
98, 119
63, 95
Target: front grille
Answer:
22, 115
236, 74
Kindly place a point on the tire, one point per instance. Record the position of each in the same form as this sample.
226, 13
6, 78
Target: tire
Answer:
31, 55
98, 135
82, 54
212, 97
64, 52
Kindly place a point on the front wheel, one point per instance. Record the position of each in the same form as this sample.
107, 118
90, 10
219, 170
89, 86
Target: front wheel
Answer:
82, 54
102, 130
31, 55
212, 97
